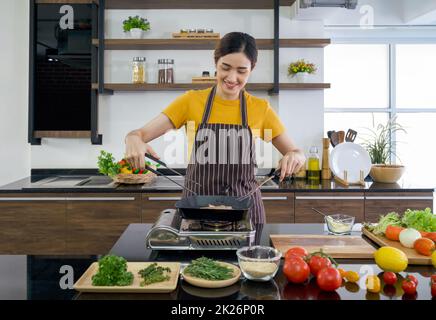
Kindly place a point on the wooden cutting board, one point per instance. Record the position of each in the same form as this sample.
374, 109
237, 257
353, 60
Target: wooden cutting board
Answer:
343, 247
413, 256
84, 284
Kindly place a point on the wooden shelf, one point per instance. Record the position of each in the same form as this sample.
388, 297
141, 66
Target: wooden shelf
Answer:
189, 86
194, 4
202, 44
62, 134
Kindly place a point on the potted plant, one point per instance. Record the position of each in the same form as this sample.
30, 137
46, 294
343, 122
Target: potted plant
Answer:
300, 69
379, 146
136, 26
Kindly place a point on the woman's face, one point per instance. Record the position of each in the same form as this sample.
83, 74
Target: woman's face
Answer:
233, 71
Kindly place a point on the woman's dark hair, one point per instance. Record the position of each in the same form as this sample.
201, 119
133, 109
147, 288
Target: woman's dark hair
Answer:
237, 42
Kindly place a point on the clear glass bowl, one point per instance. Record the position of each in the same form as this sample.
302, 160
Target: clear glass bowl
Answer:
339, 224
259, 263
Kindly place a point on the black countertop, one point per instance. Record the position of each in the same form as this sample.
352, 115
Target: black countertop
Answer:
43, 277
25, 185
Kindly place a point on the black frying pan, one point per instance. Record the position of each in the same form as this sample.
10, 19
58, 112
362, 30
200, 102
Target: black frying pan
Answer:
197, 208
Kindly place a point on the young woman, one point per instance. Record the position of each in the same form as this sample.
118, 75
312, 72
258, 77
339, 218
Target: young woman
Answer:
225, 111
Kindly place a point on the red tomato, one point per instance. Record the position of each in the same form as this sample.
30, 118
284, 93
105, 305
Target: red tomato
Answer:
431, 236
389, 277
433, 289
296, 251
296, 270
393, 232
412, 278
317, 263
409, 287
329, 279
424, 246
433, 278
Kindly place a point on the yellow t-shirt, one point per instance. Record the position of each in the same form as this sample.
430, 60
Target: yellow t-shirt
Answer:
187, 110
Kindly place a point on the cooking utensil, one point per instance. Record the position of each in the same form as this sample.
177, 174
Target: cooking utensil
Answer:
172, 170
350, 136
317, 211
334, 138
272, 175
161, 174
201, 207
341, 136
329, 135
351, 158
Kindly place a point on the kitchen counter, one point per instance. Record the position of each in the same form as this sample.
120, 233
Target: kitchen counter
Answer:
26, 185
43, 276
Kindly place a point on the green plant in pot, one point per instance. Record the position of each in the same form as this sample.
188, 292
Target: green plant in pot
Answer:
136, 26
378, 143
300, 69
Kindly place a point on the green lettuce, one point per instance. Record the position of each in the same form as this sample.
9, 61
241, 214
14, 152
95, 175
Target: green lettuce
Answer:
392, 218
422, 220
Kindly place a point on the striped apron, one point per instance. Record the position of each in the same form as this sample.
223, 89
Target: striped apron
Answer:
223, 160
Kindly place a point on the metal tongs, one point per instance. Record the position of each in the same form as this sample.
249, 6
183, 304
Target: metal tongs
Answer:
272, 175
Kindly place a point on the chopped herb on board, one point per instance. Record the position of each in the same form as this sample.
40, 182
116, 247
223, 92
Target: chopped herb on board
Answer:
208, 269
154, 273
112, 271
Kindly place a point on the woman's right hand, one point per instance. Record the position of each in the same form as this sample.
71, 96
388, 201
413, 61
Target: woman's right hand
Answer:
136, 150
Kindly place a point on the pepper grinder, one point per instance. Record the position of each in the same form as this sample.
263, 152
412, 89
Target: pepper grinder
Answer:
326, 174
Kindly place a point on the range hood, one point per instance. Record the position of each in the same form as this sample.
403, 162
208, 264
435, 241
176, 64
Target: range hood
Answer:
348, 4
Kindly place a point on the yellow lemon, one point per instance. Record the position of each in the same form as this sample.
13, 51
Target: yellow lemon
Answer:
391, 259
433, 258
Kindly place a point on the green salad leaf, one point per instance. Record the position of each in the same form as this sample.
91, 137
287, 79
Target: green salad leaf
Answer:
392, 218
422, 220
107, 165
208, 269
112, 271
154, 273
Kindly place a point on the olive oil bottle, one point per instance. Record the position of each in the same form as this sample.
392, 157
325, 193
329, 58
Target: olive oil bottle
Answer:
313, 169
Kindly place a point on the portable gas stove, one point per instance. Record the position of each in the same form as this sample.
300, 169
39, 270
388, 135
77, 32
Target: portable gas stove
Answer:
172, 232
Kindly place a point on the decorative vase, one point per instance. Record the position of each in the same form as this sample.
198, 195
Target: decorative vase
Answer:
136, 33
301, 77
386, 173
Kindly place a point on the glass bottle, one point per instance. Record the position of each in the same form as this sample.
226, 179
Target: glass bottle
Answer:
313, 168
161, 72
169, 71
139, 74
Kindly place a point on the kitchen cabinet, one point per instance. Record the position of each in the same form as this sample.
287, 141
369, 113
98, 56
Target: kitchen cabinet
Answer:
349, 203
96, 221
380, 203
279, 207
32, 223
153, 203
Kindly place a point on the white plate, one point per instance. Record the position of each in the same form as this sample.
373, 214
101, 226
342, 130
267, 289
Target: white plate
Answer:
351, 157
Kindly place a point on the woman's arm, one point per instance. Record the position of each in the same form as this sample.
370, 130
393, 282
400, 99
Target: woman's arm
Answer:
293, 158
136, 140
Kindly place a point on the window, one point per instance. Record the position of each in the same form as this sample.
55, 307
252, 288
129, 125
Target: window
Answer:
379, 81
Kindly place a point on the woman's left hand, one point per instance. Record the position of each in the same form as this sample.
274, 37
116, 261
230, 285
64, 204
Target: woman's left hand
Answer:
291, 163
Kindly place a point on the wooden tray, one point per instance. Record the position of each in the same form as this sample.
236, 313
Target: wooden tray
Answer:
84, 284
203, 79
413, 256
203, 283
343, 247
196, 35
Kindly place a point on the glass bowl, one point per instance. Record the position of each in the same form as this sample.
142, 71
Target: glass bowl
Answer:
339, 224
259, 263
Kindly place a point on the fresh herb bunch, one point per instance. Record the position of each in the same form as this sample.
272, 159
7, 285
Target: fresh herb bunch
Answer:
107, 165
112, 271
301, 66
136, 22
154, 273
378, 141
208, 269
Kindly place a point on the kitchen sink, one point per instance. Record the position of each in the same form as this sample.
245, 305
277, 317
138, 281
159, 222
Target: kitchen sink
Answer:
73, 182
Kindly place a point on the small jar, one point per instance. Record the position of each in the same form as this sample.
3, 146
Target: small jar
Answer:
139, 72
205, 74
192, 30
209, 30
161, 71
184, 30
201, 30
169, 71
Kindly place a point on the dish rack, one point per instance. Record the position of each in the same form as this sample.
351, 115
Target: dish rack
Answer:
345, 182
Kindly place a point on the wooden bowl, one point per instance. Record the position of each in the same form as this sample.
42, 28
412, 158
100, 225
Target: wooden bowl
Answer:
203, 283
130, 178
386, 173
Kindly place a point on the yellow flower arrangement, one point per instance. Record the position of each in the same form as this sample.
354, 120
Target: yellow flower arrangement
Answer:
301, 66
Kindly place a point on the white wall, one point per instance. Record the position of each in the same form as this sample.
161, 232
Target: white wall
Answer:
122, 112
14, 35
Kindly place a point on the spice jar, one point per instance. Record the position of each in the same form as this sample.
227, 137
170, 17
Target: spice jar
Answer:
139, 74
162, 71
169, 71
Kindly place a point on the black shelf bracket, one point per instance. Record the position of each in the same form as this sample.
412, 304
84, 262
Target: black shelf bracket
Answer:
32, 54
276, 47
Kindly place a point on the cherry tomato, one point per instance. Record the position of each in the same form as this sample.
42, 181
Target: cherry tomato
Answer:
389, 290
389, 278
329, 279
317, 263
424, 246
342, 272
296, 251
296, 270
409, 286
412, 278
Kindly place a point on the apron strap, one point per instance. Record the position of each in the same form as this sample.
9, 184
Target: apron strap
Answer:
242, 107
